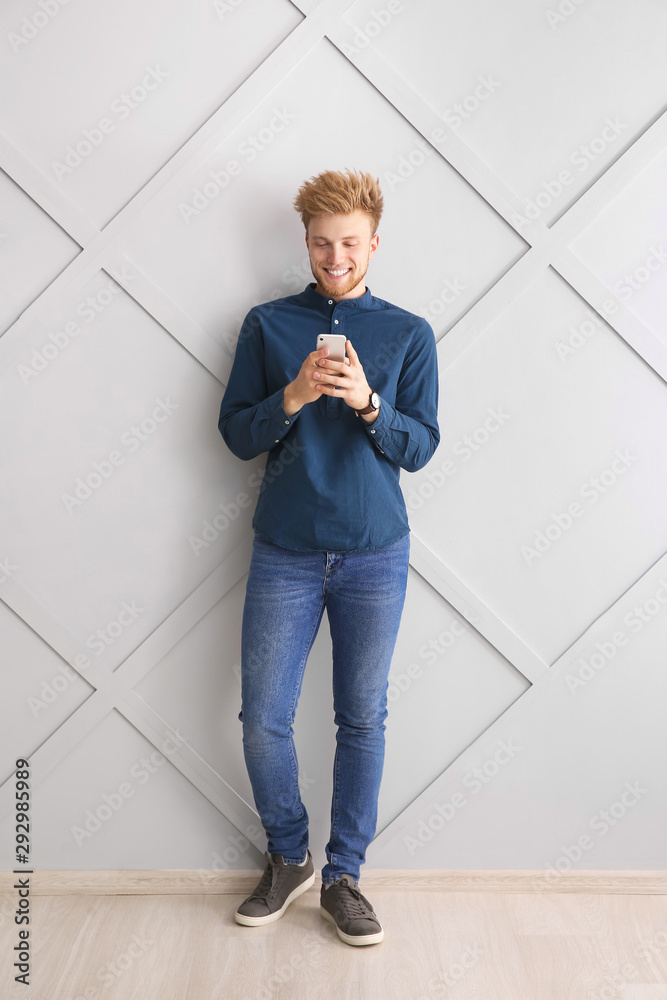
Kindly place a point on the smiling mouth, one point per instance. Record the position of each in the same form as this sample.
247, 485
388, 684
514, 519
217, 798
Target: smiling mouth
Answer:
338, 273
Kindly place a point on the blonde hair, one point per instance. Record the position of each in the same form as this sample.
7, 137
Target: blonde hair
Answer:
334, 192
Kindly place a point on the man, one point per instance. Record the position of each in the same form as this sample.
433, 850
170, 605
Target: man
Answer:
330, 530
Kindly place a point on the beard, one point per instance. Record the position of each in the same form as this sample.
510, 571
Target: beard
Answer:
340, 287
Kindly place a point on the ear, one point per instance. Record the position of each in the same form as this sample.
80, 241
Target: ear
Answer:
374, 244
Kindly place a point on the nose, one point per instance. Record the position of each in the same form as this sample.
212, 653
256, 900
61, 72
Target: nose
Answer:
335, 257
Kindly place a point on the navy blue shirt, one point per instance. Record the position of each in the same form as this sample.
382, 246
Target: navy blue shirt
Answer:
331, 482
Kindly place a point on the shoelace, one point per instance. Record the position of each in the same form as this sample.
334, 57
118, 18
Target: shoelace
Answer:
269, 883
352, 902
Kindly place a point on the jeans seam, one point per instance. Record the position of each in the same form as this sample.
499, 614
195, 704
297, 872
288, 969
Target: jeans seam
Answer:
292, 751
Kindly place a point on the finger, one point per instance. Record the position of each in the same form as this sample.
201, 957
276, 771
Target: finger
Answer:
351, 351
333, 378
327, 374
330, 363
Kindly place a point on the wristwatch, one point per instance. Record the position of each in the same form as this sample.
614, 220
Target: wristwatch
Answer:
373, 404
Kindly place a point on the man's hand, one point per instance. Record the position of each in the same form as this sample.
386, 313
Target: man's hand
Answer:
344, 380
306, 387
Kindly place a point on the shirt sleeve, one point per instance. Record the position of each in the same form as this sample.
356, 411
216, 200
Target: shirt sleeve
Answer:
407, 433
251, 420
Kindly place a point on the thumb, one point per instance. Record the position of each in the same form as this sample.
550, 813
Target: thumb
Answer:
351, 351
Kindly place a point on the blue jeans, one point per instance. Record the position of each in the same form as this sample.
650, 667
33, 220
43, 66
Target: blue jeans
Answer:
286, 594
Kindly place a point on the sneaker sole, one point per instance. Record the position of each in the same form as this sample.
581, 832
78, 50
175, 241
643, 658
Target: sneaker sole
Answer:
270, 917
355, 939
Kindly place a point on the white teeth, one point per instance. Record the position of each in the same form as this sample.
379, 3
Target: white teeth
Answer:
337, 274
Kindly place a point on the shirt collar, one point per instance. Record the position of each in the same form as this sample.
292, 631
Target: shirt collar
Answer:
327, 305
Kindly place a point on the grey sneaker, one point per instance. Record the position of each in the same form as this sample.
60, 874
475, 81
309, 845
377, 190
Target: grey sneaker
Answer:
353, 915
278, 886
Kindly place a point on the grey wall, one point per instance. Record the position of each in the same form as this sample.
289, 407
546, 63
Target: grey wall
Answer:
150, 153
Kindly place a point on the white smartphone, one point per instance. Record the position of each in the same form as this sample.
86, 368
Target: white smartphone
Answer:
336, 344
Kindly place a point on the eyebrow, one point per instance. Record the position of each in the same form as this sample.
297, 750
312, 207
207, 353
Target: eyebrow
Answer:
352, 237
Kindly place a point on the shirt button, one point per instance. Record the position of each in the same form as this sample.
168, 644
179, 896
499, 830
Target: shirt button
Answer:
330, 302
287, 421
336, 322
372, 432
277, 441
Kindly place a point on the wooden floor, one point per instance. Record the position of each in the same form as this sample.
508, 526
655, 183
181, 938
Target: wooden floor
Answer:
438, 946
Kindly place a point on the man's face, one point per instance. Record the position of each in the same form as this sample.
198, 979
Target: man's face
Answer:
340, 247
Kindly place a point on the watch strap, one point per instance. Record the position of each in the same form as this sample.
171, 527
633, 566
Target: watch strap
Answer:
370, 408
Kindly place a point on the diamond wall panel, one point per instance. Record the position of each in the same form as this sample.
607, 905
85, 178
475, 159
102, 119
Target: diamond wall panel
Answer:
111, 469
42, 688
449, 678
521, 152
625, 246
185, 239
570, 439
33, 251
601, 778
596, 75
106, 93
